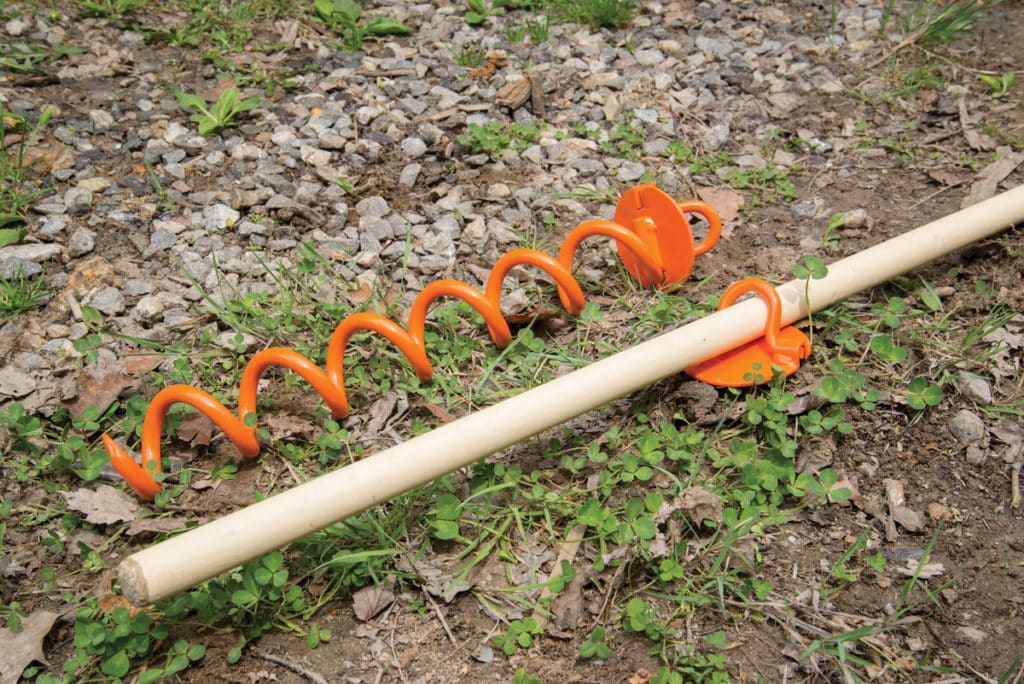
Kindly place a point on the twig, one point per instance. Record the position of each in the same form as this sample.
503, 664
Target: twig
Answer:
567, 553
1015, 484
935, 194
440, 617
394, 653
315, 677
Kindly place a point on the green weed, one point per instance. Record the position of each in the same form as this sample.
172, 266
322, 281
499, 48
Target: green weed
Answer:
470, 55
21, 293
344, 17
18, 166
999, 85
931, 23
212, 118
594, 13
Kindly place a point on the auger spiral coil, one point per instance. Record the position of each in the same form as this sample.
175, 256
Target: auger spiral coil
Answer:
654, 240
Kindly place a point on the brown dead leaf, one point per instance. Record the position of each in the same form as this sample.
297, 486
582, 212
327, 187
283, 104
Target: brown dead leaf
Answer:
537, 95
369, 602
513, 94
140, 364
911, 520
945, 177
438, 412
196, 429
42, 156
285, 425
698, 503
99, 384
726, 202
990, 176
380, 412
18, 649
103, 506
910, 569
143, 525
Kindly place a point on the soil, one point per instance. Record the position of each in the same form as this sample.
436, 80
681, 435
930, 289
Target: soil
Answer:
973, 531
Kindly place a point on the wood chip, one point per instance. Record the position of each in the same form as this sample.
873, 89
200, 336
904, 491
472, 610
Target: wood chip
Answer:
990, 176
514, 93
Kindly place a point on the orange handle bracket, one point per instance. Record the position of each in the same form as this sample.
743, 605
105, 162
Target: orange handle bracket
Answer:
781, 349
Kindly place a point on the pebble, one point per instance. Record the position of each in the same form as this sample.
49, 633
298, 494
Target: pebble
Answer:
16, 383
148, 309
413, 148
218, 217
37, 252
81, 242
968, 428
78, 200
975, 389
109, 300
373, 206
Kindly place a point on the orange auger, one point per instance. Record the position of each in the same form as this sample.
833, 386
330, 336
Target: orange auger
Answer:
655, 242
780, 350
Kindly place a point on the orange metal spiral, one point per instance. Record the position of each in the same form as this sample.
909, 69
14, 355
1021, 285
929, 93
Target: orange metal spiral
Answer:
653, 236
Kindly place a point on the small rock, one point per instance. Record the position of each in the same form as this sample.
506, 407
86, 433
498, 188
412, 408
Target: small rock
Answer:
409, 175
149, 309
13, 267
937, 511
856, 219
975, 456
970, 635
109, 300
631, 171
16, 26
16, 383
101, 119
968, 428
37, 252
82, 242
97, 184
975, 389
77, 200
413, 148
219, 216
373, 206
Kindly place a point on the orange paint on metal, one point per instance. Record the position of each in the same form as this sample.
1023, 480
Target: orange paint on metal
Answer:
781, 349
653, 237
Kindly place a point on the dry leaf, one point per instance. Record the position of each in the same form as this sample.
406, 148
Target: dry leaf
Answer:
143, 525
726, 202
18, 649
285, 425
910, 569
945, 177
990, 176
140, 364
438, 412
370, 601
196, 429
698, 503
99, 384
380, 411
514, 93
103, 506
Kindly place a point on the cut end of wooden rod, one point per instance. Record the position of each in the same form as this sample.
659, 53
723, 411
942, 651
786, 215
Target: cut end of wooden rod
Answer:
133, 582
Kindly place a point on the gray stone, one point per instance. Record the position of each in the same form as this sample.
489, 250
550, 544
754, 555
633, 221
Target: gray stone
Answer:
81, 242
975, 389
409, 175
135, 287
968, 428
52, 227
160, 241
631, 171
16, 383
375, 228
219, 216
970, 635
109, 300
34, 251
13, 267
17, 26
414, 148
373, 206
975, 456
78, 200
148, 309
101, 119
